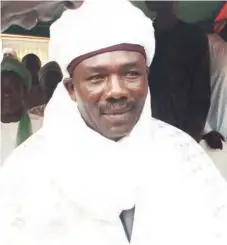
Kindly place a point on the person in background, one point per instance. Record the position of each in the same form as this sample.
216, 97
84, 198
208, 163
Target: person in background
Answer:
33, 63
49, 77
35, 96
215, 132
27, 13
179, 78
16, 125
100, 155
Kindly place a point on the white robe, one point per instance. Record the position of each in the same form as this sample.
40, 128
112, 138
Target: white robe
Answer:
68, 185
217, 116
9, 133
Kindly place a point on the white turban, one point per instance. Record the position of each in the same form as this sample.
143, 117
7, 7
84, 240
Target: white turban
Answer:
96, 25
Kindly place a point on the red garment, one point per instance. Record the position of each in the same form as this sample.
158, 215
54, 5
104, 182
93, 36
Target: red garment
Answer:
221, 19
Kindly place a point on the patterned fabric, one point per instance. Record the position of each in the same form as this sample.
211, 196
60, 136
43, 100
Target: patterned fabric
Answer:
38, 110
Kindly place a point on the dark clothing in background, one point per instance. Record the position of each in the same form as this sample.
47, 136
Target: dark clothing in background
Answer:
35, 97
179, 78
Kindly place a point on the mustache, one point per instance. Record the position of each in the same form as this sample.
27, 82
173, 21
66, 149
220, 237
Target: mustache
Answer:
116, 105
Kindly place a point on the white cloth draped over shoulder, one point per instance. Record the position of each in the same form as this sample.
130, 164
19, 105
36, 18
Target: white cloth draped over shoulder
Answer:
68, 185
217, 116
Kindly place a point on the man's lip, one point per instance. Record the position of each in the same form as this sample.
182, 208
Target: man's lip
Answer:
117, 111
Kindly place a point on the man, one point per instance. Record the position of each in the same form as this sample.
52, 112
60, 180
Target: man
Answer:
49, 77
215, 133
35, 96
179, 77
99, 152
27, 13
16, 126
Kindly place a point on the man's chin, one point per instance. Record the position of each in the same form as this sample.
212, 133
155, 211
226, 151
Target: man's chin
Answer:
118, 132
118, 126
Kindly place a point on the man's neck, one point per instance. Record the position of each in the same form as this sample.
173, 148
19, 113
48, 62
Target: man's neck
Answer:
165, 22
10, 118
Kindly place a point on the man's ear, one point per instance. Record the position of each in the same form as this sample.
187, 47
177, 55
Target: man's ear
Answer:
148, 70
68, 83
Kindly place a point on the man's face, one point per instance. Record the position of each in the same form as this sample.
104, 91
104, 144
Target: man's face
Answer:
110, 90
12, 94
27, 13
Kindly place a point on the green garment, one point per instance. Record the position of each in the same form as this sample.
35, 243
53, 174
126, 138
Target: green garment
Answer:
24, 129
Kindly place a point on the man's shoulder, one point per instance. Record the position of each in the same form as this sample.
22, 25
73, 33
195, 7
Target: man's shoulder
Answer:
170, 132
184, 152
180, 142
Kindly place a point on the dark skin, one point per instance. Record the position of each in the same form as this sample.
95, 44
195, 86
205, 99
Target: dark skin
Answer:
214, 140
110, 90
27, 13
12, 97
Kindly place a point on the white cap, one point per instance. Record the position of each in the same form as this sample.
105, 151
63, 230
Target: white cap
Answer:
99, 24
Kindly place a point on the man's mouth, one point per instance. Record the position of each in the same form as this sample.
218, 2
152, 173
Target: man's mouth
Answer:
117, 111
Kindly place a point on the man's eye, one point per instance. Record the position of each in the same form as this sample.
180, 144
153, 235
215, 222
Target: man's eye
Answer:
132, 74
97, 78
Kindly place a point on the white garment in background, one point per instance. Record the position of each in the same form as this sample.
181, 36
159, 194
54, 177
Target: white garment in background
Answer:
9, 133
217, 116
8, 139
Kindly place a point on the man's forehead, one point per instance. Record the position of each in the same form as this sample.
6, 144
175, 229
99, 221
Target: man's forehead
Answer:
10, 79
115, 58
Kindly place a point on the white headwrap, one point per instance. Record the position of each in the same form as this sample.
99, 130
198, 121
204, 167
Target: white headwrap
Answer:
96, 29
75, 183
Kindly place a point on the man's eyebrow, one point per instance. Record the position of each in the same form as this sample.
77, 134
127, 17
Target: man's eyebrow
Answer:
103, 68
130, 65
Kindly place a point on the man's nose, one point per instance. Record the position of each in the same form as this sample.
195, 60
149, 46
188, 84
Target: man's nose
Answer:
116, 88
